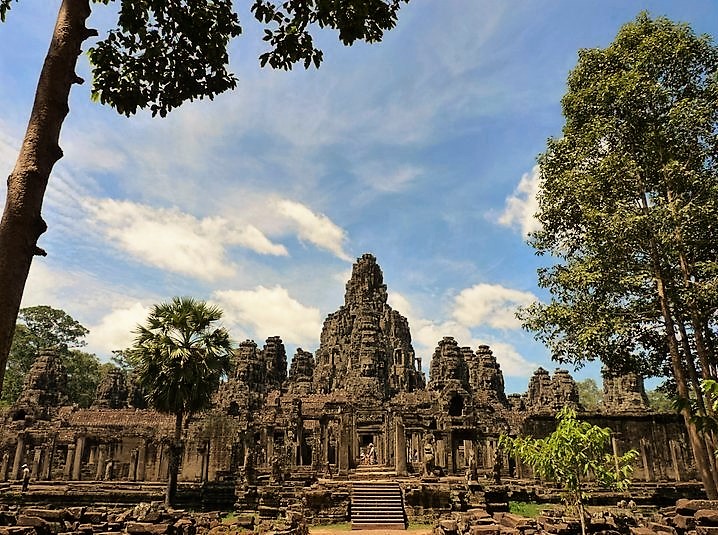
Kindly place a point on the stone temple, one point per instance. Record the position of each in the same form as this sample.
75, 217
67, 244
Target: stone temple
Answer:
275, 426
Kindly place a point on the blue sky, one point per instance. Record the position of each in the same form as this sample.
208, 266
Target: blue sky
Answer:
420, 150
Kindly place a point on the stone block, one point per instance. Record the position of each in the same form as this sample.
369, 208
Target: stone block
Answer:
484, 529
51, 515
185, 526
642, 530
657, 527
706, 517
706, 530
94, 517
17, 530
75, 513
689, 507
449, 526
683, 523
146, 528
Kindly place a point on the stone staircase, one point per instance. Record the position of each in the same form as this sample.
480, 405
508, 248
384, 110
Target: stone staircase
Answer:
377, 505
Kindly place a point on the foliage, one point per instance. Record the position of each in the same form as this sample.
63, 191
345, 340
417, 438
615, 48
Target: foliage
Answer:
181, 356
589, 395
628, 206
164, 53
572, 455
46, 327
659, 401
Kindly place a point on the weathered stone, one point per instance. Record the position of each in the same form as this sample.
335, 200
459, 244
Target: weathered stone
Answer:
112, 392
706, 517
623, 392
146, 528
689, 507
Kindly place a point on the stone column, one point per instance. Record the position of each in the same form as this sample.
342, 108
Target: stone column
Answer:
674, 458
158, 462
77, 462
100, 468
645, 457
5, 465
67, 471
47, 461
132, 472
440, 453
614, 445
450, 453
19, 454
343, 445
400, 447
142, 460
36, 457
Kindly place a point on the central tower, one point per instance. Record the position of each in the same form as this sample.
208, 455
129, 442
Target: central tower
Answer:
365, 346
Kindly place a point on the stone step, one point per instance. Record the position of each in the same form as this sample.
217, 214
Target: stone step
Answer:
377, 505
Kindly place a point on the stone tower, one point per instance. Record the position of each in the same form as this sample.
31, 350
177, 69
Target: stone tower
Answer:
365, 346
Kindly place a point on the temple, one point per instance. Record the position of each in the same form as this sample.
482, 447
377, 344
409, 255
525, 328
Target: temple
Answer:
362, 391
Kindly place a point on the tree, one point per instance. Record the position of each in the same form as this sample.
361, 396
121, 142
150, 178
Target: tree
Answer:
659, 401
160, 55
573, 454
589, 395
181, 356
46, 327
628, 204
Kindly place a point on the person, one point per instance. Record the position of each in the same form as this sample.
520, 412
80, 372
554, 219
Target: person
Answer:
371, 453
25, 477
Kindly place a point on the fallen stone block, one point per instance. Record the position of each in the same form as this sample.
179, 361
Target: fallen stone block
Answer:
706, 517
146, 528
484, 529
689, 507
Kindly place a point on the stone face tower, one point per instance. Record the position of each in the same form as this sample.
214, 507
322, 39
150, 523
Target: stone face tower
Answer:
365, 346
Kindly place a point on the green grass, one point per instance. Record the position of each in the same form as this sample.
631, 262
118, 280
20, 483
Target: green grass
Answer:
527, 509
415, 526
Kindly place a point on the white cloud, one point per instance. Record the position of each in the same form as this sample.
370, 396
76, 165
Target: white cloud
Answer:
521, 206
315, 228
176, 241
400, 303
115, 329
271, 312
384, 179
511, 361
490, 305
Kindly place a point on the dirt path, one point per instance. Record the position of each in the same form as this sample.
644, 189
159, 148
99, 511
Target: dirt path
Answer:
328, 531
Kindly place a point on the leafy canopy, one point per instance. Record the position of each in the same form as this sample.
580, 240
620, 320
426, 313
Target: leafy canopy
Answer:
164, 53
181, 356
628, 194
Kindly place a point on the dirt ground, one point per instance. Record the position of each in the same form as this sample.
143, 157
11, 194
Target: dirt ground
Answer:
323, 530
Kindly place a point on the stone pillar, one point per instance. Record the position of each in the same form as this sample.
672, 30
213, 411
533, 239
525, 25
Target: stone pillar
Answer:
142, 460
343, 445
5, 466
134, 461
440, 453
269, 434
158, 462
47, 461
614, 445
36, 457
77, 462
100, 467
400, 447
67, 471
450, 453
19, 454
674, 458
647, 468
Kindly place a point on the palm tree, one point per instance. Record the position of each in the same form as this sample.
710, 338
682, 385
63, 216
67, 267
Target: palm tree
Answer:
181, 357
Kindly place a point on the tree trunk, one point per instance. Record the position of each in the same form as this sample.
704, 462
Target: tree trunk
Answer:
174, 462
21, 223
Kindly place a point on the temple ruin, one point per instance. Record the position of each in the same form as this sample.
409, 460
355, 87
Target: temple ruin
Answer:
274, 425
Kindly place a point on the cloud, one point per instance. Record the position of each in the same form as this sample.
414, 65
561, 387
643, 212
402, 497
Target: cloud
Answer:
315, 228
176, 241
115, 329
521, 206
490, 305
384, 179
271, 312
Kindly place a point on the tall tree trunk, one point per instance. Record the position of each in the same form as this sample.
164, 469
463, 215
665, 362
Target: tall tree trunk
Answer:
698, 445
174, 462
21, 223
